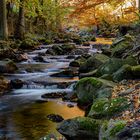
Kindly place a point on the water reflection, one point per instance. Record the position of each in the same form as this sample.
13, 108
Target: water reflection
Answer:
31, 123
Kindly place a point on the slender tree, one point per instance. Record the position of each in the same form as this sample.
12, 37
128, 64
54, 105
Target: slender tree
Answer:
3, 20
20, 29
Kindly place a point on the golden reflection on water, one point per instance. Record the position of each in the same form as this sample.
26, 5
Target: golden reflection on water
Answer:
103, 41
31, 123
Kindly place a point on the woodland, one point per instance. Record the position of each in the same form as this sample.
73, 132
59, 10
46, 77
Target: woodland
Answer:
69, 69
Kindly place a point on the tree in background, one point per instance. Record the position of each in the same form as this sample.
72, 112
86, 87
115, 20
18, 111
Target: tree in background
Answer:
3, 20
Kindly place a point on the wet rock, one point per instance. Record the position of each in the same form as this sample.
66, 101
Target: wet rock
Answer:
88, 89
54, 95
4, 85
7, 66
70, 105
93, 62
55, 118
70, 57
80, 128
21, 57
130, 132
77, 62
63, 49
65, 73
78, 51
16, 83
41, 101
39, 59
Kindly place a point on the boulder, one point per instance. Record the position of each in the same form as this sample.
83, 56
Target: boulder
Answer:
120, 47
93, 62
7, 66
88, 89
79, 60
105, 108
80, 128
110, 129
113, 64
127, 72
131, 132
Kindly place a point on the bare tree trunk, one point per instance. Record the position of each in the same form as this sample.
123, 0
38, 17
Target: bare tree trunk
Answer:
20, 30
3, 20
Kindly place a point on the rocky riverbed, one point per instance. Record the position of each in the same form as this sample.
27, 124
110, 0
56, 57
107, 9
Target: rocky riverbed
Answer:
69, 87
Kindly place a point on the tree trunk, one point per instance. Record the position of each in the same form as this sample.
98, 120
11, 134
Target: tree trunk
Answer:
139, 5
3, 20
20, 30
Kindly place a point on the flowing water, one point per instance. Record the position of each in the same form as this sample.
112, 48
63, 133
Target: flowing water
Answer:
21, 116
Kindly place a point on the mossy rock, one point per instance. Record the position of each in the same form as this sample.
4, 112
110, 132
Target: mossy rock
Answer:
87, 89
80, 128
61, 49
107, 77
105, 108
113, 64
93, 62
123, 73
122, 46
136, 71
78, 62
110, 129
127, 72
28, 43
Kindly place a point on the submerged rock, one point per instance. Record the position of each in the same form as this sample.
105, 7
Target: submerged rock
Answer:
55, 118
16, 83
65, 73
54, 95
80, 128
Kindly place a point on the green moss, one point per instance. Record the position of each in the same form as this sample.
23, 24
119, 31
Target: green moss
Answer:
113, 64
89, 124
123, 73
110, 129
122, 45
136, 71
93, 62
104, 108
